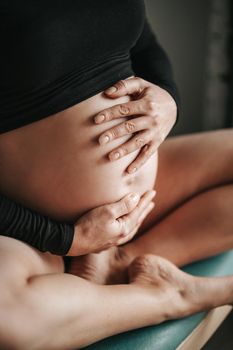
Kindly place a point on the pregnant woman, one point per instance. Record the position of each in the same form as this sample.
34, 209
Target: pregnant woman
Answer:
71, 152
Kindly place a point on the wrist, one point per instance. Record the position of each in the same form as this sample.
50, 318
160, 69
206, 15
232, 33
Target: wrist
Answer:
76, 246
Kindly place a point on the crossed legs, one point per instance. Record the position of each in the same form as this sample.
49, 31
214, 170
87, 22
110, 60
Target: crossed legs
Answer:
192, 218
43, 307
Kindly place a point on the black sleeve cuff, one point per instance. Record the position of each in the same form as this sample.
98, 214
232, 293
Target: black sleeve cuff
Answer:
37, 230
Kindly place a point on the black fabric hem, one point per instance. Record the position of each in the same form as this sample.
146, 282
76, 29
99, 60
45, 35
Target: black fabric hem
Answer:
67, 100
68, 237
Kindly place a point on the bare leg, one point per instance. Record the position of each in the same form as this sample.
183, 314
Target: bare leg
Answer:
188, 166
43, 308
192, 218
201, 227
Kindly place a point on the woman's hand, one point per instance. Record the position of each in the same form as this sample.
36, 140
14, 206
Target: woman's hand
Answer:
155, 111
111, 224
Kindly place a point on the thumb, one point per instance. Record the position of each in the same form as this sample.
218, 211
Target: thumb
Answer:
125, 205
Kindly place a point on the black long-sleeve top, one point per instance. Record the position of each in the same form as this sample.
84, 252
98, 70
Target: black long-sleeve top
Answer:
57, 53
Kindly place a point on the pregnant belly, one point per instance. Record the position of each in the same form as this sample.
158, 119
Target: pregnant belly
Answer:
56, 166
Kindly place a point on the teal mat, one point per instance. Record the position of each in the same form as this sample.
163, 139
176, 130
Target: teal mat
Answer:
169, 335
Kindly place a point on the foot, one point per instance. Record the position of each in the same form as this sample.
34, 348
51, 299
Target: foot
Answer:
178, 293
107, 267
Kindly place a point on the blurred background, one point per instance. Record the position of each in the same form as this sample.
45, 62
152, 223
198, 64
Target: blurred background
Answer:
197, 36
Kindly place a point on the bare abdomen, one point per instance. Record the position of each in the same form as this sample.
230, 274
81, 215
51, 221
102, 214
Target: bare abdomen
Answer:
57, 167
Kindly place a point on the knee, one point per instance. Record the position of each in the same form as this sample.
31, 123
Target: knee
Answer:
18, 318
10, 336
18, 330
15, 327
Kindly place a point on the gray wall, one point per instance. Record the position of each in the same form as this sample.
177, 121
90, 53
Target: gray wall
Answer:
182, 27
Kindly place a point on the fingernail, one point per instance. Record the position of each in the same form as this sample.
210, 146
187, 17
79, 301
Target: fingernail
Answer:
111, 90
99, 118
114, 156
132, 170
104, 139
134, 196
153, 192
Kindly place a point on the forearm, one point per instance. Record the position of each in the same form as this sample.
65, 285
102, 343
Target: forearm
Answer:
151, 62
39, 231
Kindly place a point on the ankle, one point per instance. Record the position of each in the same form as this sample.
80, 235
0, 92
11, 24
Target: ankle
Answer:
123, 257
118, 266
128, 253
